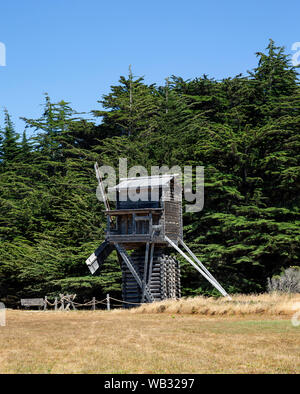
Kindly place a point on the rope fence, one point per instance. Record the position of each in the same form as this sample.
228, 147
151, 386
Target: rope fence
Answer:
66, 301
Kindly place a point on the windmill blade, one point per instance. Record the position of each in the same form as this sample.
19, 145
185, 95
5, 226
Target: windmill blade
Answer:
101, 187
97, 258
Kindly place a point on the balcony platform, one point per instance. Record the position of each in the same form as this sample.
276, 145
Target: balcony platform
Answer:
132, 211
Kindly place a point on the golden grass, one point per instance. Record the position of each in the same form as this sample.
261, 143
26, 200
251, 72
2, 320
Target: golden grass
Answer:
240, 305
128, 342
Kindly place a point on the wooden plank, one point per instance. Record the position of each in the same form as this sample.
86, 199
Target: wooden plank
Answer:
32, 302
142, 218
172, 211
145, 270
171, 227
199, 262
127, 259
131, 211
151, 262
215, 284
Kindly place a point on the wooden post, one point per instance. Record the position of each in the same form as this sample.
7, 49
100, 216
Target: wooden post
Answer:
150, 263
145, 271
94, 303
55, 304
72, 298
108, 302
45, 303
150, 224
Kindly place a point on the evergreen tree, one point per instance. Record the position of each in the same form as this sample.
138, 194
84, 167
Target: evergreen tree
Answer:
245, 132
133, 107
9, 145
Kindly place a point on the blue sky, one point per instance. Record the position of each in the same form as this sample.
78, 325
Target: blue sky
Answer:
75, 50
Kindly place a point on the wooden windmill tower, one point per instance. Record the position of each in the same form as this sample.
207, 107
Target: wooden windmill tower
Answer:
141, 231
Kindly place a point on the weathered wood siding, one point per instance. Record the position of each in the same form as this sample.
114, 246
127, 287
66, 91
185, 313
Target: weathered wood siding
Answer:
32, 301
172, 219
147, 199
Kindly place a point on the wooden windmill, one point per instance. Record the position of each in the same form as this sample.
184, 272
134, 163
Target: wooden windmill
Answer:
141, 231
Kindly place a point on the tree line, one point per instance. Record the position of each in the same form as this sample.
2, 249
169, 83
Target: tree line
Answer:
244, 130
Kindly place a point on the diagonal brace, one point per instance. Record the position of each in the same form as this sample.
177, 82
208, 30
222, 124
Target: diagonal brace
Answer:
214, 283
131, 268
199, 262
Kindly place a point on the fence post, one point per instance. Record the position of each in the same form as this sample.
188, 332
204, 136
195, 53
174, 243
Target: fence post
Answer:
45, 303
108, 302
55, 304
94, 303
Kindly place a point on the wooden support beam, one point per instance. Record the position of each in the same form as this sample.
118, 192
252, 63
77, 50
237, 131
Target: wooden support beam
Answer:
150, 222
199, 262
104, 197
151, 263
215, 284
108, 302
131, 268
133, 224
131, 211
145, 271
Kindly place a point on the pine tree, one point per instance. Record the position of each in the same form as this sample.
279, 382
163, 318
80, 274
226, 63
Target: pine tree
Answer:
9, 146
132, 107
275, 80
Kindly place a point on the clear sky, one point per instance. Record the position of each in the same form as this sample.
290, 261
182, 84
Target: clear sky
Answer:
76, 49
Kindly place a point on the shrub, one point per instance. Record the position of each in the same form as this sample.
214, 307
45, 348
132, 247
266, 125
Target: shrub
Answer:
287, 282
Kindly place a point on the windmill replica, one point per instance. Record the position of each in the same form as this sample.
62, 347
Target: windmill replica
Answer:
147, 227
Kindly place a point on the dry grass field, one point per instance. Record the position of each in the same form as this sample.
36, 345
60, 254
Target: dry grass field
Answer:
182, 340
239, 305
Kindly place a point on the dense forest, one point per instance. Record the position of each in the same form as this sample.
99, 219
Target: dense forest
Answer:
244, 130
